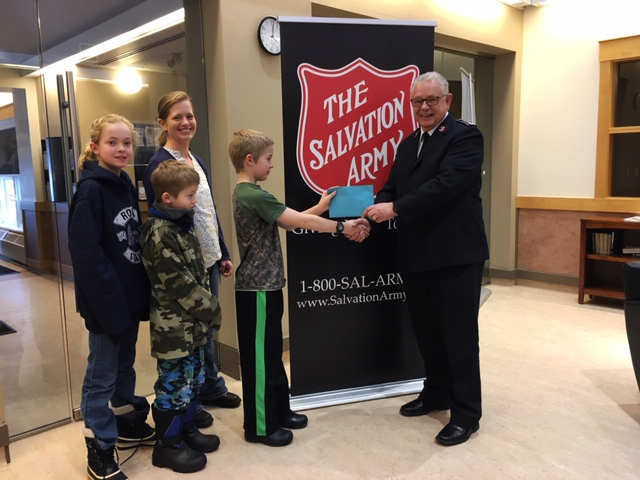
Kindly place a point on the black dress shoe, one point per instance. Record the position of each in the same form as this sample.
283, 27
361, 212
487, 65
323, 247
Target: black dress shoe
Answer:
279, 438
202, 419
453, 434
417, 407
295, 421
228, 400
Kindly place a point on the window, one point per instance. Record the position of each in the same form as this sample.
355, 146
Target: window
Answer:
618, 161
10, 212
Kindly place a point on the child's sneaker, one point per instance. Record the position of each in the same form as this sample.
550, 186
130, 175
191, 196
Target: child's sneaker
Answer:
134, 431
102, 464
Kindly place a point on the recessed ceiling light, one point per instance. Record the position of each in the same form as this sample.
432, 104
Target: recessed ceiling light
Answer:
128, 80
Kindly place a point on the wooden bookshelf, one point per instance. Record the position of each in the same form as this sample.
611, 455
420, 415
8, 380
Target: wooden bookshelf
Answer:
601, 274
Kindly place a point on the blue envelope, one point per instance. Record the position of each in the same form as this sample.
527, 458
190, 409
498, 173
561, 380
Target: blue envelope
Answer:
350, 202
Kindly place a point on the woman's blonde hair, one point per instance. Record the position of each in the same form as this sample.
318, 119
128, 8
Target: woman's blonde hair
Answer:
165, 104
96, 131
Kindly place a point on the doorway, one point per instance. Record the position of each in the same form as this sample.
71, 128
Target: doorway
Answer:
455, 66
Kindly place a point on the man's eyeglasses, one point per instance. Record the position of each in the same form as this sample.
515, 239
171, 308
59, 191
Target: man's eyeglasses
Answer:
431, 101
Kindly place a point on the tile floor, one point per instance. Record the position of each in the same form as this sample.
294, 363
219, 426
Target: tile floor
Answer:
560, 402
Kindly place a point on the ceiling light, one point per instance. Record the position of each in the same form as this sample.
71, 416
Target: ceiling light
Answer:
521, 4
128, 80
157, 25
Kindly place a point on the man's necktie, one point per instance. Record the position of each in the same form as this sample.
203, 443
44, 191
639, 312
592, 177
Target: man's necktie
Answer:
424, 137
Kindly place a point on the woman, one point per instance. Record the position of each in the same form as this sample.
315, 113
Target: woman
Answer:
175, 116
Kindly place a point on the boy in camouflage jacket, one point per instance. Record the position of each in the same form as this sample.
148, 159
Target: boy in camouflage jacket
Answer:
183, 310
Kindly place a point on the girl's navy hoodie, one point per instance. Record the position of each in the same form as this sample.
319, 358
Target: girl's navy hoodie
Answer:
112, 288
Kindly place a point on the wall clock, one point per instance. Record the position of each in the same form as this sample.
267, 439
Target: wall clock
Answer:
269, 35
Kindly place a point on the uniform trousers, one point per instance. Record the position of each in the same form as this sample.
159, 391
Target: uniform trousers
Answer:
443, 306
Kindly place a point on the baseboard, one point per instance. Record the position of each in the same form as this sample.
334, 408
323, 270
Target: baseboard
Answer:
503, 274
4, 442
513, 276
544, 277
229, 360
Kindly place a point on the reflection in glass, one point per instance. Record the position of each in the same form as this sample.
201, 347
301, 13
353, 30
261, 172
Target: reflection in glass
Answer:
8, 151
625, 168
627, 95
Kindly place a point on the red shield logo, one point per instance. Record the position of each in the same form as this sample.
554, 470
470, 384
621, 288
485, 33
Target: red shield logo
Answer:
351, 122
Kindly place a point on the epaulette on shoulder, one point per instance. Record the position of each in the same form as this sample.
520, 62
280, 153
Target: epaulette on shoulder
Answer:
464, 122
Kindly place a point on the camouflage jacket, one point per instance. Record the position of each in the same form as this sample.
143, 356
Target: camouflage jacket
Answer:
183, 309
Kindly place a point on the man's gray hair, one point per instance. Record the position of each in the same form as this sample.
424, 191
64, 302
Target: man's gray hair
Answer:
432, 77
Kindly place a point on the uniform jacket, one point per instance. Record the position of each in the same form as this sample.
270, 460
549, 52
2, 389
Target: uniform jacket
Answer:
437, 197
112, 290
183, 309
160, 156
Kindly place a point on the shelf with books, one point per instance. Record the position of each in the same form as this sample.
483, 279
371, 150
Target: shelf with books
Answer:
602, 242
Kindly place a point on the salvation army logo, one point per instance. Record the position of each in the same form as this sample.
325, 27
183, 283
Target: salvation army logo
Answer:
351, 123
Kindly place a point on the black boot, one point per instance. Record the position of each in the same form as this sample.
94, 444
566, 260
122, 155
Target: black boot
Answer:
200, 442
170, 450
101, 464
133, 430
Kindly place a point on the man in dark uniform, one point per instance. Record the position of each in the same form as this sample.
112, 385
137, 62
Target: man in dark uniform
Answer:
434, 191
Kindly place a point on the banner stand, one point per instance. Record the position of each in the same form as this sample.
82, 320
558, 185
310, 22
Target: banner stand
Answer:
345, 109
352, 395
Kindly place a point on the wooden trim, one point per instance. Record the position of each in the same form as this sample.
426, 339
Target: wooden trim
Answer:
624, 205
618, 49
614, 130
605, 115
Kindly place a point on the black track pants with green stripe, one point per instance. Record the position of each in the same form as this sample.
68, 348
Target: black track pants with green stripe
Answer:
265, 387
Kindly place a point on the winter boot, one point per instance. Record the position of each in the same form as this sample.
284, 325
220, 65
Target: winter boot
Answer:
133, 430
200, 442
170, 450
102, 464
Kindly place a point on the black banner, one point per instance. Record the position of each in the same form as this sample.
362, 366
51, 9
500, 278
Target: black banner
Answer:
345, 90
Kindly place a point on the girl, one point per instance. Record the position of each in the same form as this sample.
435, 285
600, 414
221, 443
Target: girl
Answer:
112, 294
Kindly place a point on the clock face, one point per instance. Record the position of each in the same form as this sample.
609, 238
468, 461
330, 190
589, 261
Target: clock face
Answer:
269, 35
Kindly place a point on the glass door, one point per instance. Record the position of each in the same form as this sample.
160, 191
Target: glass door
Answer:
32, 349
54, 88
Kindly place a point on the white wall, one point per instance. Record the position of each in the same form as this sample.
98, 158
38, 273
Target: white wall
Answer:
559, 102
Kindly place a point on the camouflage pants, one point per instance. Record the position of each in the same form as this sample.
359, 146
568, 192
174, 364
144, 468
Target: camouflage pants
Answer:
179, 381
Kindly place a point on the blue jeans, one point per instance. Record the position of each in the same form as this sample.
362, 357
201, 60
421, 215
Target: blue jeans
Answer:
111, 377
214, 386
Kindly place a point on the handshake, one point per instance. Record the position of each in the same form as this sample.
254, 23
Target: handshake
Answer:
357, 230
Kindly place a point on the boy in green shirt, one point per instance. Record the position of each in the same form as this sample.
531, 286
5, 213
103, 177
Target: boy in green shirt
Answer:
259, 282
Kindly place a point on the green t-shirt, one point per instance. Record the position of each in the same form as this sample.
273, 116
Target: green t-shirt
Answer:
255, 213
